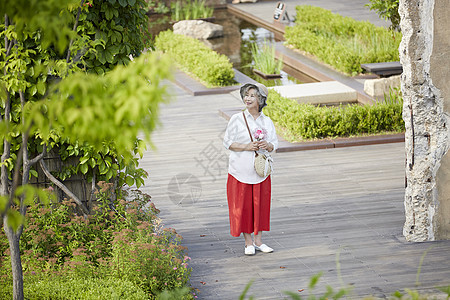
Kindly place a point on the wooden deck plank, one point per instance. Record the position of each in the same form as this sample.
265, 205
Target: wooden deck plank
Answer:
346, 201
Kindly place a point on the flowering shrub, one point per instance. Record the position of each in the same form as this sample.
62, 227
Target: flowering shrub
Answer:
121, 241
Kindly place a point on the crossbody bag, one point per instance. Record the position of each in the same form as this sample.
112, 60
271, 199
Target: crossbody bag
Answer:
263, 162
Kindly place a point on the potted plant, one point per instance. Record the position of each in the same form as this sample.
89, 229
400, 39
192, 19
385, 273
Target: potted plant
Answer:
265, 63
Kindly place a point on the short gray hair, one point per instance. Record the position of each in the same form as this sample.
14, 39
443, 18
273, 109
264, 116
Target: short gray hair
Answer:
261, 98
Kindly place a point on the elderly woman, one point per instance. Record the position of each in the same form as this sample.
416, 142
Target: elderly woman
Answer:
249, 193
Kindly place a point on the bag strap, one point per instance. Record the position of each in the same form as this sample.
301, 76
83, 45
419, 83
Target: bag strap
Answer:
246, 123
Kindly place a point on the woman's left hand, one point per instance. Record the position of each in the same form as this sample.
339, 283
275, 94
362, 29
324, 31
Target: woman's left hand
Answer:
265, 145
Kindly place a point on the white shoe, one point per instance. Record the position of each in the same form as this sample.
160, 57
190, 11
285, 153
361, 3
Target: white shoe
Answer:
249, 250
263, 248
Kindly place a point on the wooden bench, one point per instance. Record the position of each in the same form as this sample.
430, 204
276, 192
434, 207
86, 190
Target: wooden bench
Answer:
384, 69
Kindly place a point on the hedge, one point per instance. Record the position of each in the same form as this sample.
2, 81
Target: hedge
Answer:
306, 121
195, 58
341, 42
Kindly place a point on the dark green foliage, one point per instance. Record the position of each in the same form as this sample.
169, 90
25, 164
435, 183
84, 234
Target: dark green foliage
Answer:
195, 58
388, 10
341, 42
119, 26
108, 33
306, 121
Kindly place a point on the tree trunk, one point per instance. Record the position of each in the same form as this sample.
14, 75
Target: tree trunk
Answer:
16, 262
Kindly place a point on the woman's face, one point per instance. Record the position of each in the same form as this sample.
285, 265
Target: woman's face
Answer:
251, 99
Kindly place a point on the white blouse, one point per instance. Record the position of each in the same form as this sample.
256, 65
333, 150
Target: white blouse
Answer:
241, 163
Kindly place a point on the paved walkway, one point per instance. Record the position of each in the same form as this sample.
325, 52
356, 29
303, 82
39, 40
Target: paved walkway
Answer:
337, 211
346, 202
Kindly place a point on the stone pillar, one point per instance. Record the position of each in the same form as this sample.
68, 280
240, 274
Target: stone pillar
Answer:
425, 57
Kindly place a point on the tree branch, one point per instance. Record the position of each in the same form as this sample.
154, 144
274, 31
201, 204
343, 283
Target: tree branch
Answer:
6, 150
74, 29
91, 196
6, 39
63, 187
37, 158
8, 49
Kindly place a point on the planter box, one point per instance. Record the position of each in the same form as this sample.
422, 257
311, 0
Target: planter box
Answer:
266, 76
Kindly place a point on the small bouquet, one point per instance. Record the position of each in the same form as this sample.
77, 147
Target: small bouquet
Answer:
259, 134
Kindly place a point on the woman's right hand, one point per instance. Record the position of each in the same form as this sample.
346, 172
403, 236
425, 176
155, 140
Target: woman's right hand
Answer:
253, 146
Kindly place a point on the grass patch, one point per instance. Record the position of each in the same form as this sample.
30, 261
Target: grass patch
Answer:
302, 122
195, 58
341, 42
191, 10
264, 58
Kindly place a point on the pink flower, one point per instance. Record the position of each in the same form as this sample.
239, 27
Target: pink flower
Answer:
259, 134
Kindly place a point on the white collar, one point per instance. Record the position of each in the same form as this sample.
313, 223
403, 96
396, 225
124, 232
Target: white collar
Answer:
248, 114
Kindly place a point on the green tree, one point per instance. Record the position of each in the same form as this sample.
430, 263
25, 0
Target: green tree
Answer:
78, 108
388, 10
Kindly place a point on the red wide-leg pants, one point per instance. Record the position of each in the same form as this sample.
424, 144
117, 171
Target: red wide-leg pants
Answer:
249, 206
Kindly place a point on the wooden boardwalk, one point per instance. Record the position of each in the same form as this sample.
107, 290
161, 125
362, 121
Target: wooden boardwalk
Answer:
345, 202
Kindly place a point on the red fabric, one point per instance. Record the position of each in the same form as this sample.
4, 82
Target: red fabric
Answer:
249, 206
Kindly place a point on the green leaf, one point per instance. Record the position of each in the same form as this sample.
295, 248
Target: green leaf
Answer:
41, 87
92, 162
3, 202
129, 181
33, 90
139, 182
294, 296
84, 159
123, 3
14, 219
109, 174
34, 173
84, 168
397, 294
314, 279
109, 14
45, 197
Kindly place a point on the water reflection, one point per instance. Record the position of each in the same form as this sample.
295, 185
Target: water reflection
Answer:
239, 35
235, 44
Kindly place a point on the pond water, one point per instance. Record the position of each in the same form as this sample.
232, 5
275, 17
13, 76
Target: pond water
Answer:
235, 44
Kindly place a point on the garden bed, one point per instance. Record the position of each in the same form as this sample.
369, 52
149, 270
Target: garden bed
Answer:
305, 122
341, 42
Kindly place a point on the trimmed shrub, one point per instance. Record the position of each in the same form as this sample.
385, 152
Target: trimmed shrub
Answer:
195, 58
341, 42
306, 121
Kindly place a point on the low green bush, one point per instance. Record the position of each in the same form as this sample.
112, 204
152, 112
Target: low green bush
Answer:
306, 121
195, 58
341, 42
61, 288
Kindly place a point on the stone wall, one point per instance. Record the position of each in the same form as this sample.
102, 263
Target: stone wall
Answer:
424, 54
